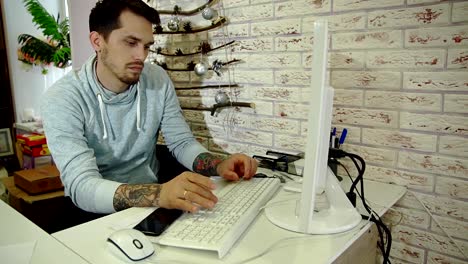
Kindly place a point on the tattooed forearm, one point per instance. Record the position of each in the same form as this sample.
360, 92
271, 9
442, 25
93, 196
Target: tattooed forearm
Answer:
206, 164
138, 195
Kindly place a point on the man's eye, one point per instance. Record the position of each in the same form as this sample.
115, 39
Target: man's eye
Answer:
131, 43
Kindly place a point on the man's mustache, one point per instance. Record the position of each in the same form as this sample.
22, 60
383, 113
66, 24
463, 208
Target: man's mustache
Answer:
137, 63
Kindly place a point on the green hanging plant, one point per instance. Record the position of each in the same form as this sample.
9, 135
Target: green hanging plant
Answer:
55, 49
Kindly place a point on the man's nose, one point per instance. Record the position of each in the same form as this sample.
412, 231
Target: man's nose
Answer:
140, 53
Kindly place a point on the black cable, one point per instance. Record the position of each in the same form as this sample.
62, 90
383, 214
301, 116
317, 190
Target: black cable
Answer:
379, 223
381, 236
385, 237
360, 177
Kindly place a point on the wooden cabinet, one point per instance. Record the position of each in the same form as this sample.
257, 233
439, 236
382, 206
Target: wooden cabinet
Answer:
362, 251
6, 100
7, 113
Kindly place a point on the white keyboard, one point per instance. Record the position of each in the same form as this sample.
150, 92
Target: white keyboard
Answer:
219, 228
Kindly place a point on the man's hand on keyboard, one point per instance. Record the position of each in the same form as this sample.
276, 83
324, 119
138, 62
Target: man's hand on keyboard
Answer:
187, 192
237, 166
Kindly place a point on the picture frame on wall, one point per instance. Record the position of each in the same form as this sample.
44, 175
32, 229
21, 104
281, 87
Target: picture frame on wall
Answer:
6, 144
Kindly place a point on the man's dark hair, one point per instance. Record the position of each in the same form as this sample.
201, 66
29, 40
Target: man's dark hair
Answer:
104, 17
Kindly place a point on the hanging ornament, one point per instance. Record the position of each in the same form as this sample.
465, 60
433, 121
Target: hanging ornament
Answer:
173, 23
221, 98
201, 69
209, 13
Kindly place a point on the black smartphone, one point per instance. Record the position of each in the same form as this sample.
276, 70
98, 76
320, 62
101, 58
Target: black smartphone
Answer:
155, 223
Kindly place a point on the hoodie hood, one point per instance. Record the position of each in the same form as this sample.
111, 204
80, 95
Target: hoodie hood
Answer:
107, 97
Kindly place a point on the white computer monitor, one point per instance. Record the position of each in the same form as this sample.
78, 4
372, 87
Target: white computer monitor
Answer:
301, 215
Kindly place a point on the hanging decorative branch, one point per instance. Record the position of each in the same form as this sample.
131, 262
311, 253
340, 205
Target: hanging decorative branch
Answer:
203, 48
217, 66
191, 65
176, 10
185, 13
215, 107
225, 63
188, 27
158, 29
179, 52
207, 87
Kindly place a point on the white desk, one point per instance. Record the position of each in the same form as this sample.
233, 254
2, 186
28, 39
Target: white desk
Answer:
19, 236
89, 239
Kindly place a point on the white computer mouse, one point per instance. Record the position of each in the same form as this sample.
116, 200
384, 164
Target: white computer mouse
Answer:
131, 243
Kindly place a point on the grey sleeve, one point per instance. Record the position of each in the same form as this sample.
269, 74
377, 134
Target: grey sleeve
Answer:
64, 129
177, 133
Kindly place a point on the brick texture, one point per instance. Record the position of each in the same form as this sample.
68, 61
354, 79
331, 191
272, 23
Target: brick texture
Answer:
400, 73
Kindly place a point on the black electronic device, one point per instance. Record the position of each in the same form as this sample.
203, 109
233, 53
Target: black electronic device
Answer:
155, 223
288, 157
261, 175
278, 161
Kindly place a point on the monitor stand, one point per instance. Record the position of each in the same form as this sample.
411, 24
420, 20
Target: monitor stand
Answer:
339, 217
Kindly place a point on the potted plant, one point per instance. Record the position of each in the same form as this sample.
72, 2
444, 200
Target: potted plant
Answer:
54, 49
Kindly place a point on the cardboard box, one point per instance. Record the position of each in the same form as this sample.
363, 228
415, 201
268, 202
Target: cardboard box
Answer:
40, 180
31, 140
31, 162
16, 194
34, 149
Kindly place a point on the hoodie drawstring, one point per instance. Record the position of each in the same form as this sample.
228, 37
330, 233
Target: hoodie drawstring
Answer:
101, 108
138, 125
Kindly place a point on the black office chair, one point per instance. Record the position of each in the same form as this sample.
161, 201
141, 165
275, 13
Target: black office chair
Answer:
169, 166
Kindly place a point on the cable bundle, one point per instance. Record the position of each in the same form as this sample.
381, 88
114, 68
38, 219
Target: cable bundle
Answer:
385, 235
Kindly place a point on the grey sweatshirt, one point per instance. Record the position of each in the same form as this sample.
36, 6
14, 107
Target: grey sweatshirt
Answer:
100, 139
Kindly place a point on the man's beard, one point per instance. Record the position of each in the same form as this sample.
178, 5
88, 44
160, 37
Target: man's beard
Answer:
129, 79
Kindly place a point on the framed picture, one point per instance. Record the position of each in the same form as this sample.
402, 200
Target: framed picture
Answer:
6, 144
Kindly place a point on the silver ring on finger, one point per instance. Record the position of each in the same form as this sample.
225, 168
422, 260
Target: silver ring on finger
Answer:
185, 194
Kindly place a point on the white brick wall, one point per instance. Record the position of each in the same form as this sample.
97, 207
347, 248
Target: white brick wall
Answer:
425, 239
435, 258
407, 216
410, 16
368, 40
409, 59
460, 11
345, 5
410, 101
454, 227
407, 253
450, 145
441, 81
399, 68
399, 139
438, 36
366, 79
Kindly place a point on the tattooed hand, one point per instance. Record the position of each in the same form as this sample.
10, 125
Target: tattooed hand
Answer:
139, 195
237, 166
233, 168
188, 191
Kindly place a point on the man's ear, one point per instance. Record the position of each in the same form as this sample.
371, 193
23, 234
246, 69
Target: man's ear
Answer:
96, 40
